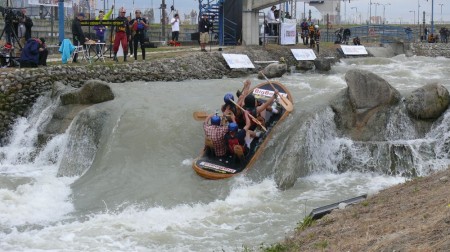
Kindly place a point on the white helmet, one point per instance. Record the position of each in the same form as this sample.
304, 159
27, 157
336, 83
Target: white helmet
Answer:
316, 27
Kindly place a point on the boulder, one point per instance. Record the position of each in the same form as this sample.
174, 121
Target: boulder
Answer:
93, 91
428, 102
305, 65
273, 70
367, 90
364, 109
322, 64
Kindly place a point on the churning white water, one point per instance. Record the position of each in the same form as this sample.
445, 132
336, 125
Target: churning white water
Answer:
141, 194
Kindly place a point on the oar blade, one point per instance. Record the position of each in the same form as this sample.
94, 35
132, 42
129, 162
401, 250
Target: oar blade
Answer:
287, 105
284, 101
200, 115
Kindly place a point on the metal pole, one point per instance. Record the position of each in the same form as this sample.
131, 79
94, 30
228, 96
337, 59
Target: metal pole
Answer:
424, 34
418, 14
356, 13
345, 11
414, 15
61, 21
441, 11
163, 21
432, 16
376, 19
304, 10
384, 12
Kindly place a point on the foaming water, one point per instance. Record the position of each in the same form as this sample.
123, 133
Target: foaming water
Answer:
30, 192
141, 194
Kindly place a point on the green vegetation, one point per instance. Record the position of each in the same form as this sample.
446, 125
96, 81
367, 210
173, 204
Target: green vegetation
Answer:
322, 245
307, 222
276, 248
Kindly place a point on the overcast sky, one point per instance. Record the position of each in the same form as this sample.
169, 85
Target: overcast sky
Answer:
405, 11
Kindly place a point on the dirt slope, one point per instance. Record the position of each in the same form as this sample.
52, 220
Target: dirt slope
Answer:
414, 216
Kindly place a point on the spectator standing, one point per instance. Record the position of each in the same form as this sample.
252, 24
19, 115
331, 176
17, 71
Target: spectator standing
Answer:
43, 53
408, 32
130, 34
100, 29
305, 31
78, 34
204, 28
25, 24
175, 22
139, 26
121, 35
272, 20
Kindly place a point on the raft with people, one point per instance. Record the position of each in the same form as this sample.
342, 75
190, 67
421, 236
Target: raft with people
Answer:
235, 139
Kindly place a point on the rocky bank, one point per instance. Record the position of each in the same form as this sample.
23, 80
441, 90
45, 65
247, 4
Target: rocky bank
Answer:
19, 88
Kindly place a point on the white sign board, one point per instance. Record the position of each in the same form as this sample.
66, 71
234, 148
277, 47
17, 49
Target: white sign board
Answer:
304, 54
238, 60
288, 34
354, 50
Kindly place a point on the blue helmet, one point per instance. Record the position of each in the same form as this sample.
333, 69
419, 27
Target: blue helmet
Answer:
228, 97
215, 120
233, 126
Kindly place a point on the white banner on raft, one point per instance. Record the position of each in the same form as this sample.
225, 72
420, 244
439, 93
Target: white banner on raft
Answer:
238, 60
304, 54
354, 50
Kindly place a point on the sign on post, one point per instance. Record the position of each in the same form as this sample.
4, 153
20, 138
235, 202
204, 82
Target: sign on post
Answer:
238, 60
288, 33
304, 54
354, 50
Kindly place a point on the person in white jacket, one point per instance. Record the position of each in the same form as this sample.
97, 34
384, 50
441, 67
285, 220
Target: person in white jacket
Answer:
175, 22
272, 21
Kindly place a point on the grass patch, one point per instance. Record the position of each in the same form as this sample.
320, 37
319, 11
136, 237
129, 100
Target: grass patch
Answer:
321, 245
276, 248
307, 222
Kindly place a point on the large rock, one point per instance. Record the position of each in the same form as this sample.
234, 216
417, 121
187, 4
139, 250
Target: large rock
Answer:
84, 137
305, 65
93, 91
367, 90
273, 70
73, 102
428, 102
322, 64
364, 109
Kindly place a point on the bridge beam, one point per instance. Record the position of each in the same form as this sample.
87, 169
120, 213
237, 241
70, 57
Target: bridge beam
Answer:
262, 4
250, 19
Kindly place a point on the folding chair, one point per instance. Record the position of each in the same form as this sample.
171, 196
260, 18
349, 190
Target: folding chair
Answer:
81, 50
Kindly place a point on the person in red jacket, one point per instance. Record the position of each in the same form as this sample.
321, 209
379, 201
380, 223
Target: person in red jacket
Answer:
121, 35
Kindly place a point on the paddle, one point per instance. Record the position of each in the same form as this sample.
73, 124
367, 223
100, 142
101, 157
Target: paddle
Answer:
200, 115
251, 117
283, 101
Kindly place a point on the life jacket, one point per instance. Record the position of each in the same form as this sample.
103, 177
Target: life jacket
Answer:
123, 27
232, 141
304, 26
252, 112
239, 116
138, 26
